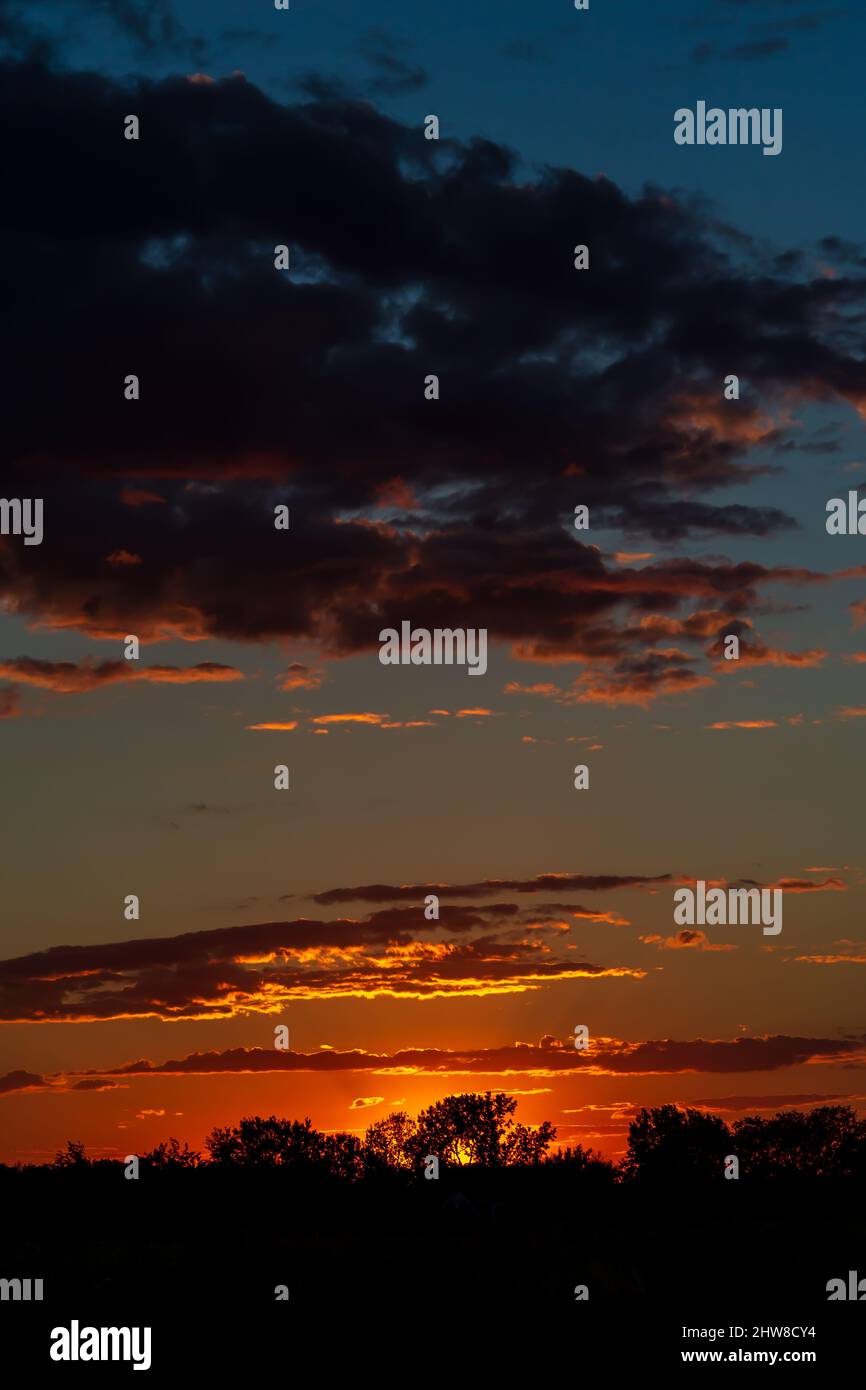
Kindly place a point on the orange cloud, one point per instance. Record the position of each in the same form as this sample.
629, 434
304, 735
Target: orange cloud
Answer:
65, 678
224, 973
612, 919
123, 557
686, 940
744, 724
803, 885
409, 724
641, 687
757, 654
138, 497
350, 718
692, 415
300, 677
396, 492
515, 688
378, 721
276, 727
10, 703
859, 959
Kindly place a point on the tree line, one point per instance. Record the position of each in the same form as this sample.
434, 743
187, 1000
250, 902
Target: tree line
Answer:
666, 1144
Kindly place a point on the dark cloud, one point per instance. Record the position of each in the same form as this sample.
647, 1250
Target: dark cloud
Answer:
15, 1081
408, 256
747, 51
257, 968
549, 1057
21, 1081
606, 1056
772, 1102
541, 883
772, 21
151, 26
758, 48
18, 37
394, 74
676, 520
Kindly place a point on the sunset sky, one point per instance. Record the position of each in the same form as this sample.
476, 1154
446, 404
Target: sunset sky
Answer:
260, 647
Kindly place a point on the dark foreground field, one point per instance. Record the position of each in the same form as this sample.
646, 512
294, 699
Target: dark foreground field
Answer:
197, 1255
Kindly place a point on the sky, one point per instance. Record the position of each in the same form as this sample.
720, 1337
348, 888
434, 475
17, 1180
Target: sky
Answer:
259, 647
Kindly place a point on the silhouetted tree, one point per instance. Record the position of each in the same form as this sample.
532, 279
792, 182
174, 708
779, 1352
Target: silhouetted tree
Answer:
223, 1145
671, 1145
342, 1156
581, 1160
267, 1143
826, 1142
170, 1154
389, 1143
274, 1143
478, 1129
73, 1156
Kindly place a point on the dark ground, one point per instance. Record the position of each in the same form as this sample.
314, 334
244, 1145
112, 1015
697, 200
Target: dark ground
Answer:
486, 1261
